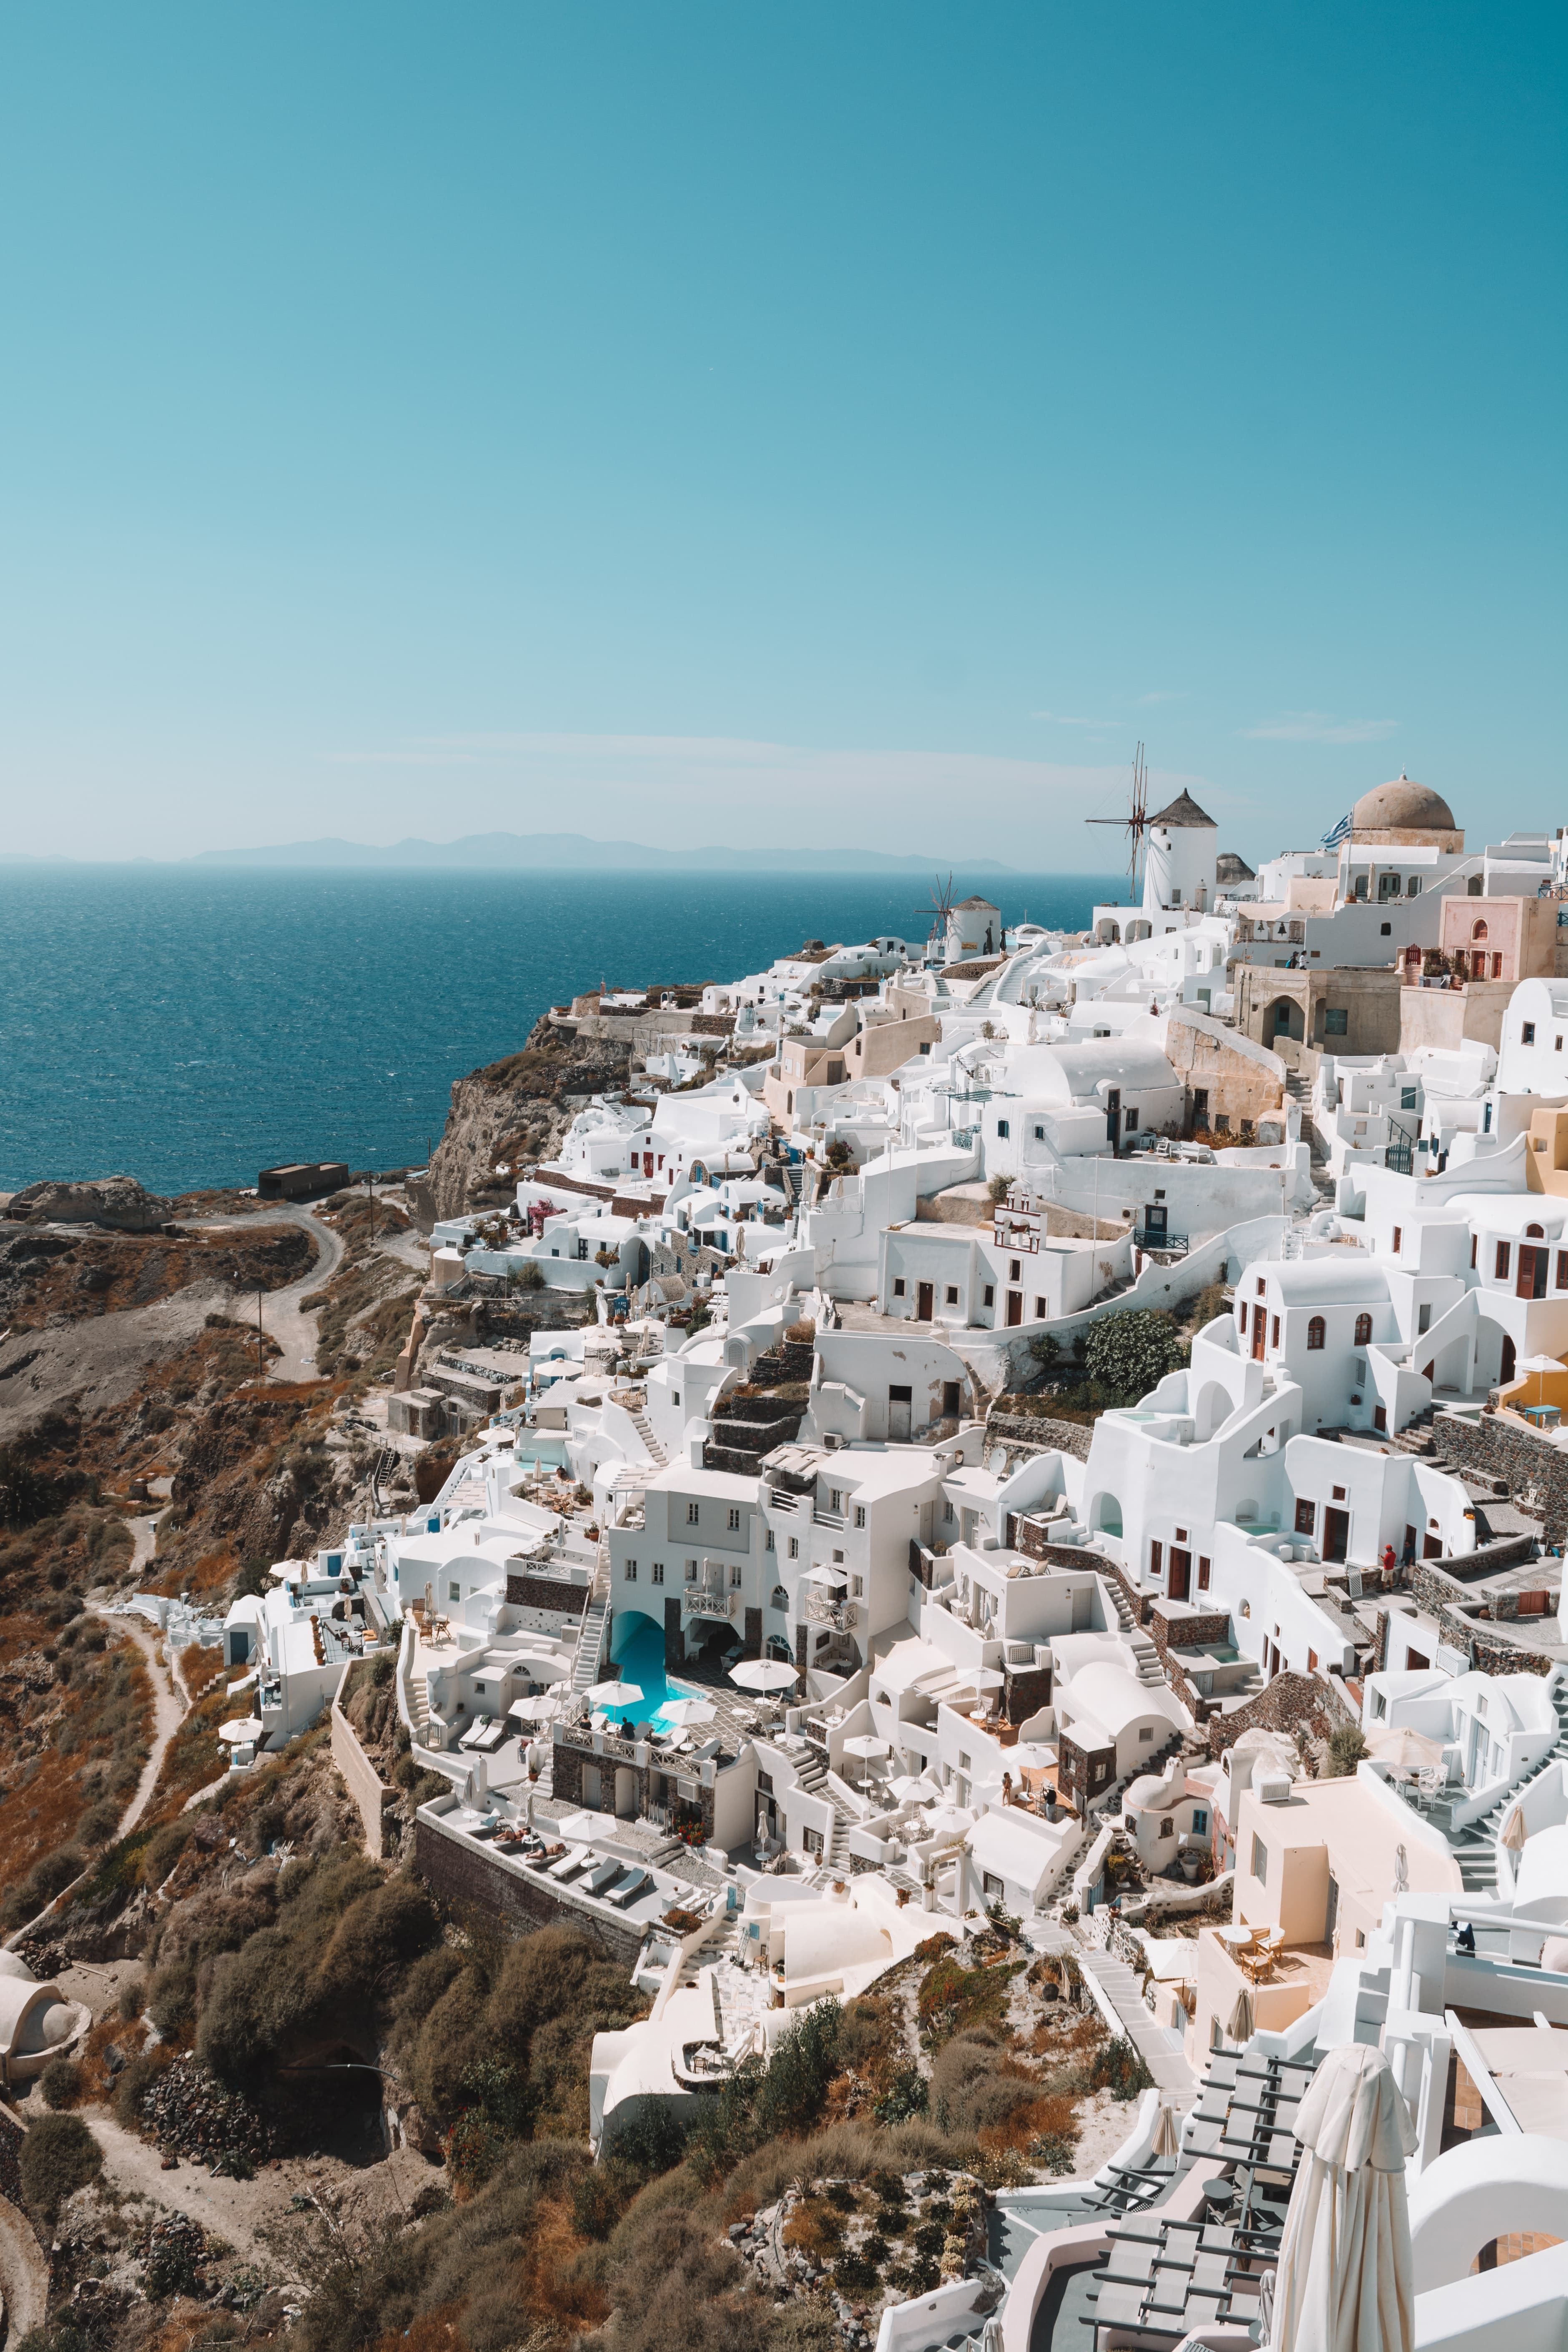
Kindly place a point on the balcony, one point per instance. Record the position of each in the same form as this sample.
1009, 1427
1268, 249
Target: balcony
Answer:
1152, 1237
840, 1614
701, 1603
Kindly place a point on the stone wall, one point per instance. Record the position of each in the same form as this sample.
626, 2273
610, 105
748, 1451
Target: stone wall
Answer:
363, 1783
1214, 1626
1440, 1596
1083, 1772
546, 1594
461, 1875
1291, 1703
568, 1763
1535, 1472
1034, 1434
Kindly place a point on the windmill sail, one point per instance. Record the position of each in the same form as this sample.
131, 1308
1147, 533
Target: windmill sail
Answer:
1136, 820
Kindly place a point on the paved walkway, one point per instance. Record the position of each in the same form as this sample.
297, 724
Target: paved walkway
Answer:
1120, 1986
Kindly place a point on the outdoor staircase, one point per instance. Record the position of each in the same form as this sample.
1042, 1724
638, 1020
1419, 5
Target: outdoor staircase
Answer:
1476, 1851
813, 1777
1157, 2049
591, 1643
1416, 1437
650, 1444
1145, 1656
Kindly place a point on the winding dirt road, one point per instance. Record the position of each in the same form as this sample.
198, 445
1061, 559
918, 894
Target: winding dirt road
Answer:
282, 1317
23, 2275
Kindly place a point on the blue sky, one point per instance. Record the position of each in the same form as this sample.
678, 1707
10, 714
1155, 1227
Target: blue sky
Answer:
695, 421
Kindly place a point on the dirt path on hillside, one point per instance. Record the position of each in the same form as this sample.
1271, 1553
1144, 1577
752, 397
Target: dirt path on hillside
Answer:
170, 1702
282, 1317
24, 2274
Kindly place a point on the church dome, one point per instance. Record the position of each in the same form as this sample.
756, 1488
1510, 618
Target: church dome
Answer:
1401, 807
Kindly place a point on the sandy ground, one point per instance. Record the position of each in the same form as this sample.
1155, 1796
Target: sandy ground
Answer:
97, 1362
254, 2216
24, 2274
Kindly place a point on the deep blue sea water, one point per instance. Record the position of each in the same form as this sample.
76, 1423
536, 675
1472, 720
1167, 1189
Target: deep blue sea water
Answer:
188, 1026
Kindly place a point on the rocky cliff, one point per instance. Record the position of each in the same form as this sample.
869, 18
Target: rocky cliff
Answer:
515, 1110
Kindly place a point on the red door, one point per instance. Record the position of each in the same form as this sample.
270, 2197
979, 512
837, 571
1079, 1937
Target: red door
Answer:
1181, 1574
1014, 1306
1259, 1333
925, 1302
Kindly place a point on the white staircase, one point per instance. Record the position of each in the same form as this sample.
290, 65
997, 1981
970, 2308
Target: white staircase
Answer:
1145, 1656
1476, 1854
813, 1776
650, 1444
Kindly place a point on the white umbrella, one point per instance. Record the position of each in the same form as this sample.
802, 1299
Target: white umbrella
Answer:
243, 1727
867, 1744
1345, 2282
764, 1675
949, 1821
532, 1710
678, 1712
982, 1678
834, 1578
1167, 2134
905, 1785
1401, 1746
613, 1695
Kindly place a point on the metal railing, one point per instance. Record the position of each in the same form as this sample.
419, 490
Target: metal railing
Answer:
1149, 1237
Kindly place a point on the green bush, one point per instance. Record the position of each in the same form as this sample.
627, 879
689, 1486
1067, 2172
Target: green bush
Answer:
1347, 1746
59, 2156
49, 1876
60, 2083
131, 2086
906, 2096
1128, 1355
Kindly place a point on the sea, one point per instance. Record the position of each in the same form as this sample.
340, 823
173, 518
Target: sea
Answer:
188, 1026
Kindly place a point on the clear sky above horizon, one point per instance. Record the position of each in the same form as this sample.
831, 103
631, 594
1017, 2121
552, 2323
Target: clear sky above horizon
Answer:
734, 425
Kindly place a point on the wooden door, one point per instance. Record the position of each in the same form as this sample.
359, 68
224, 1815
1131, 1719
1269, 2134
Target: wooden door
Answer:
1336, 1533
1014, 1306
1531, 1281
1180, 1577
925, 1302
1259, 1332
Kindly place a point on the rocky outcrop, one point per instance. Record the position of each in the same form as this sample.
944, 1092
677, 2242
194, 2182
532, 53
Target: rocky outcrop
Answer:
117, 1202
513, 1111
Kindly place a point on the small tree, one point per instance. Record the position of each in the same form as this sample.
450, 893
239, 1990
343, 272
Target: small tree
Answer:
999, 1187
1347, 1746
1128, 1355
58, 2156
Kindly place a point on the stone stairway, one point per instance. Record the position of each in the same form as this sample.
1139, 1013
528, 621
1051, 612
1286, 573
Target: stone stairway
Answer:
1416, 1437
590, 1645
1145, 1656
1120, 1988
813, 1777
1476, 1850
650, 1444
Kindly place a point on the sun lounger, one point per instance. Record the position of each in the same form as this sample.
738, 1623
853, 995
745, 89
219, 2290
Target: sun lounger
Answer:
605, 1875
475, 1732
629, 1889
570, 1864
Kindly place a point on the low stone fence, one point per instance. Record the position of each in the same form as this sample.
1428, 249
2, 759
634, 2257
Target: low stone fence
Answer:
1036, 1432
1291, 1703
472, 1879
1496, 1446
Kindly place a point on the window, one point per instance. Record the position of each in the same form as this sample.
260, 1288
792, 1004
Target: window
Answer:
835, 1498
1563, 1269
1339, 1493
1041, 1312
1336, 1021
1167, 1827
860, 1515
1305, 1516
1015, 1271
691, 1572
1527, 1034
1312, 1662
1260, 1860
1499, 1266
795, 1547
1477, 930
1203, 1573
734, 1523
1475, 1243
990, 1295
1241, 1316
856, 1588
1276, 1330
1362, 1330
1040, 1133
1132, 1122
1146, 1731
899, 1288
1398, 1236
951, 1294
1385, 929
1361, 1940
963, 1763
1260, 1286
692, 1512
658, 1572
631, 1571
454, 1593
734, 1574
1156, 1559
768, 1541
1317, 1332
1002, 1131
1200, 1822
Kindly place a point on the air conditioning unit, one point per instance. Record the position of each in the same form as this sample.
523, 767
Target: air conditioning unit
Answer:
832, 1441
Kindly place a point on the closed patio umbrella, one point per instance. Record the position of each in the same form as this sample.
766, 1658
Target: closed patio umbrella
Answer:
1167, 2138
1240, 2027
1514, 1833
1345, 2282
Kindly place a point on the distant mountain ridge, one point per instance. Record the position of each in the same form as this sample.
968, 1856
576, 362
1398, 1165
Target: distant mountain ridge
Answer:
575, 851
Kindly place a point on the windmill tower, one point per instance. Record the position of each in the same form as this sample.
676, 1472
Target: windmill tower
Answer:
1136, 820
940, 912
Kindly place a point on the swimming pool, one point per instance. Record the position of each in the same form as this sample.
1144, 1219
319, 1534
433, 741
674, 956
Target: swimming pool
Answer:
641, 1661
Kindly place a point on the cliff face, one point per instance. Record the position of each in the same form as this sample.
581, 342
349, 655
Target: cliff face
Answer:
516, 1110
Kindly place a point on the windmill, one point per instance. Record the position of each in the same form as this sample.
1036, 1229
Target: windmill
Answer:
940, 910
1136, 820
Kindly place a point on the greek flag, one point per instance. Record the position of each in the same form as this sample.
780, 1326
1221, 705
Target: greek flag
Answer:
1332, 840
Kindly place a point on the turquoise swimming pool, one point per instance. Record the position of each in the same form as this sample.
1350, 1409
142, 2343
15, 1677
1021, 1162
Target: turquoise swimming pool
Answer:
641, 1660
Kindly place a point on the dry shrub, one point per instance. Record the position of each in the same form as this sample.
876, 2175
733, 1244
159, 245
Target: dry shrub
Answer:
1053, 2116
816, 2227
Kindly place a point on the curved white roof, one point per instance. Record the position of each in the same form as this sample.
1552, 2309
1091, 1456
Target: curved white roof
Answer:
1075, 1070
1326, 1281
1116, 1698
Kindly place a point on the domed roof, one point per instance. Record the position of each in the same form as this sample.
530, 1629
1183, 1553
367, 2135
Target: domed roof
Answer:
1401, 807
